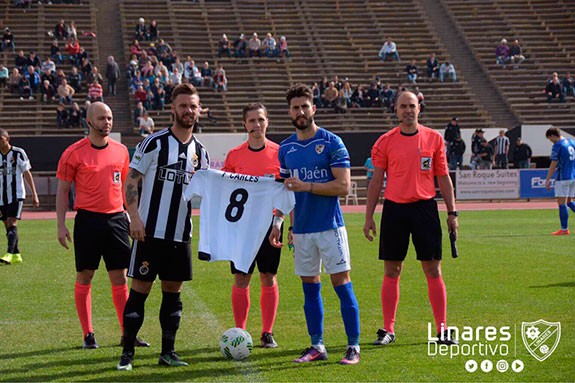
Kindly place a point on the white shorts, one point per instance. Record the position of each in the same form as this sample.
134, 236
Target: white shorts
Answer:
565, 188
329, 247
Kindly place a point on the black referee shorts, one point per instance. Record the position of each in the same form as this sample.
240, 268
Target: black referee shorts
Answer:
98, 235
400, 220
267, 258
169, 260
12, 210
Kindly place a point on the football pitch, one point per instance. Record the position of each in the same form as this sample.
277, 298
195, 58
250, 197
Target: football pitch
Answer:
510, 271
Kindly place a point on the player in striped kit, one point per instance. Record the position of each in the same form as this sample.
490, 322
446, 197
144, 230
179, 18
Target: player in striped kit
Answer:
161, 224
14, 170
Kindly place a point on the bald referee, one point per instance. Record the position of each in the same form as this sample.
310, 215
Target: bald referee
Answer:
98, 166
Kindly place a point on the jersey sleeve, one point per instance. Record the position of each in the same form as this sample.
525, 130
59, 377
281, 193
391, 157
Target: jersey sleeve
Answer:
379, 154
24, 162
555, 152
339, 156
144, 155
229, 163
197, 185
440, 158
284, 171
66, 167
205, 158
284, 200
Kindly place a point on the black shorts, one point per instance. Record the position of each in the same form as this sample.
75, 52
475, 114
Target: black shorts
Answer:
13, 209
169, 260
399, 220
98, 235
267, 258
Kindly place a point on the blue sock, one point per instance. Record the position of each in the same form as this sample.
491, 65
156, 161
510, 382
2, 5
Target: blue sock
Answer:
349, 312
563, 216
571, 206
313, 308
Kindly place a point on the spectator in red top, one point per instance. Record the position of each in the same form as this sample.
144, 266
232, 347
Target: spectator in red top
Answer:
72, 49
412, 156
135, 48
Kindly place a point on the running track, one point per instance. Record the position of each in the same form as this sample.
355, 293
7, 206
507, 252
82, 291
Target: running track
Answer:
461, 206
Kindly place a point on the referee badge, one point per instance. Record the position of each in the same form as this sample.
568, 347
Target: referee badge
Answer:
117, 177
425, 163
144, 269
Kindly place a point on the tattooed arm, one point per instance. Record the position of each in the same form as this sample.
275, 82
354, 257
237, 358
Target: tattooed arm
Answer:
137, 228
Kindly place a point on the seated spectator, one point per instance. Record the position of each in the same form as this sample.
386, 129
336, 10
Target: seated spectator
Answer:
60, 30
240, 46
330, 95
25, 88
148, 71
21, 61
554, 90
224, 46
254, 46
516, 54
447, 69
72, 49
62, 116
196, 76
358, 97
207, 75
347, 92
34, 60
82, 54
60, 75
411, 71
75, 79
568, 85
502, 53
8, 41
168, 90
4, 76
71, 30
132, 67
141, 95
188, 65
159, 95
151, 50
340, 104
372, 97
153, 30
162, 47
65, 92
141, 30
95, 92
86, 68
420, 98
75, 116
316, 94
269, 45
284, 51
162, 74
14, 81
337, 83
135, 48
178, 64
388, 98
220, 79
138, 113
49, 65
95, 75
389, 49
33, 82
55, 52
175, 77
143, 59
146, 125
432, 67
47, 92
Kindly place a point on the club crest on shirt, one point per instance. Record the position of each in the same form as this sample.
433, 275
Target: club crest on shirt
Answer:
195, 161
425, 163
319, 148
117, 177
136, 158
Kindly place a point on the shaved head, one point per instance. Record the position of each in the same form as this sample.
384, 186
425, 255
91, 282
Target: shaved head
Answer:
96, 108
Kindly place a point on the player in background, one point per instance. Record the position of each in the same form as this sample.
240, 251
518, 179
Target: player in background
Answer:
316, 166
562, 163
98, 166
412, 155
14, 170
161, 225
258, 156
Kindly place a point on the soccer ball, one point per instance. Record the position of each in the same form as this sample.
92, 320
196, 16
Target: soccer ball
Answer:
236, 344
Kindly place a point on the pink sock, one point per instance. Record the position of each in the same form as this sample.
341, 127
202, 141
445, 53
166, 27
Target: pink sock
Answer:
120, 295
241, 305
438, 300
83, 298
389, 301
269, 305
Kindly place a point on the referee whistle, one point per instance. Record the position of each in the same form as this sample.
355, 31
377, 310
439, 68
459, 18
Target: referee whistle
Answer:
452, 240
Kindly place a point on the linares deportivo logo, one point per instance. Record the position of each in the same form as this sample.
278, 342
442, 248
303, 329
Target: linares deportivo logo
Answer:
541, 338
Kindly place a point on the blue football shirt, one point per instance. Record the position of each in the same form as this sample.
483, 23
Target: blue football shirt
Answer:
563, 152
311, 160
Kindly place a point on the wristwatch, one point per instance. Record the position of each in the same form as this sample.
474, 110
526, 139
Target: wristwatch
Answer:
453, 213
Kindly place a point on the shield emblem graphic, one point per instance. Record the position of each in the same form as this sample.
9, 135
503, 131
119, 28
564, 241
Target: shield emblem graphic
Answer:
319, 148
541, 338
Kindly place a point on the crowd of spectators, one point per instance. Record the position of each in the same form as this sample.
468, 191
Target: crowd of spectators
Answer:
505, 54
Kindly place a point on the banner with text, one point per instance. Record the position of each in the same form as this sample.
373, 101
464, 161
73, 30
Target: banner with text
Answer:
533, 184
487, 184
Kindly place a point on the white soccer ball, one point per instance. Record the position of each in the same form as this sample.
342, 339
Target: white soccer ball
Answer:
236, 344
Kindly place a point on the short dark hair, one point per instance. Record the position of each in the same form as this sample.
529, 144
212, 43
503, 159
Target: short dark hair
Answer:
187, 89
253, 106
299, 90
553, 132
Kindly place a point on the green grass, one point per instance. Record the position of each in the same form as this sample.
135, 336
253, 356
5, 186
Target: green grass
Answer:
510, 270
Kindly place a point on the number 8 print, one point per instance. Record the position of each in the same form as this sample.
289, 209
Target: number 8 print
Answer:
236, 203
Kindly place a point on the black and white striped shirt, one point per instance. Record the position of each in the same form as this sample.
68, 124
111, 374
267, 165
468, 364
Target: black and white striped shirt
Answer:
167, 166
14, 164
502, 144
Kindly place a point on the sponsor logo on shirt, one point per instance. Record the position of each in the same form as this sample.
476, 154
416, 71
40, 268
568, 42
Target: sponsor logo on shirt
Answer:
425, 163
174, 173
